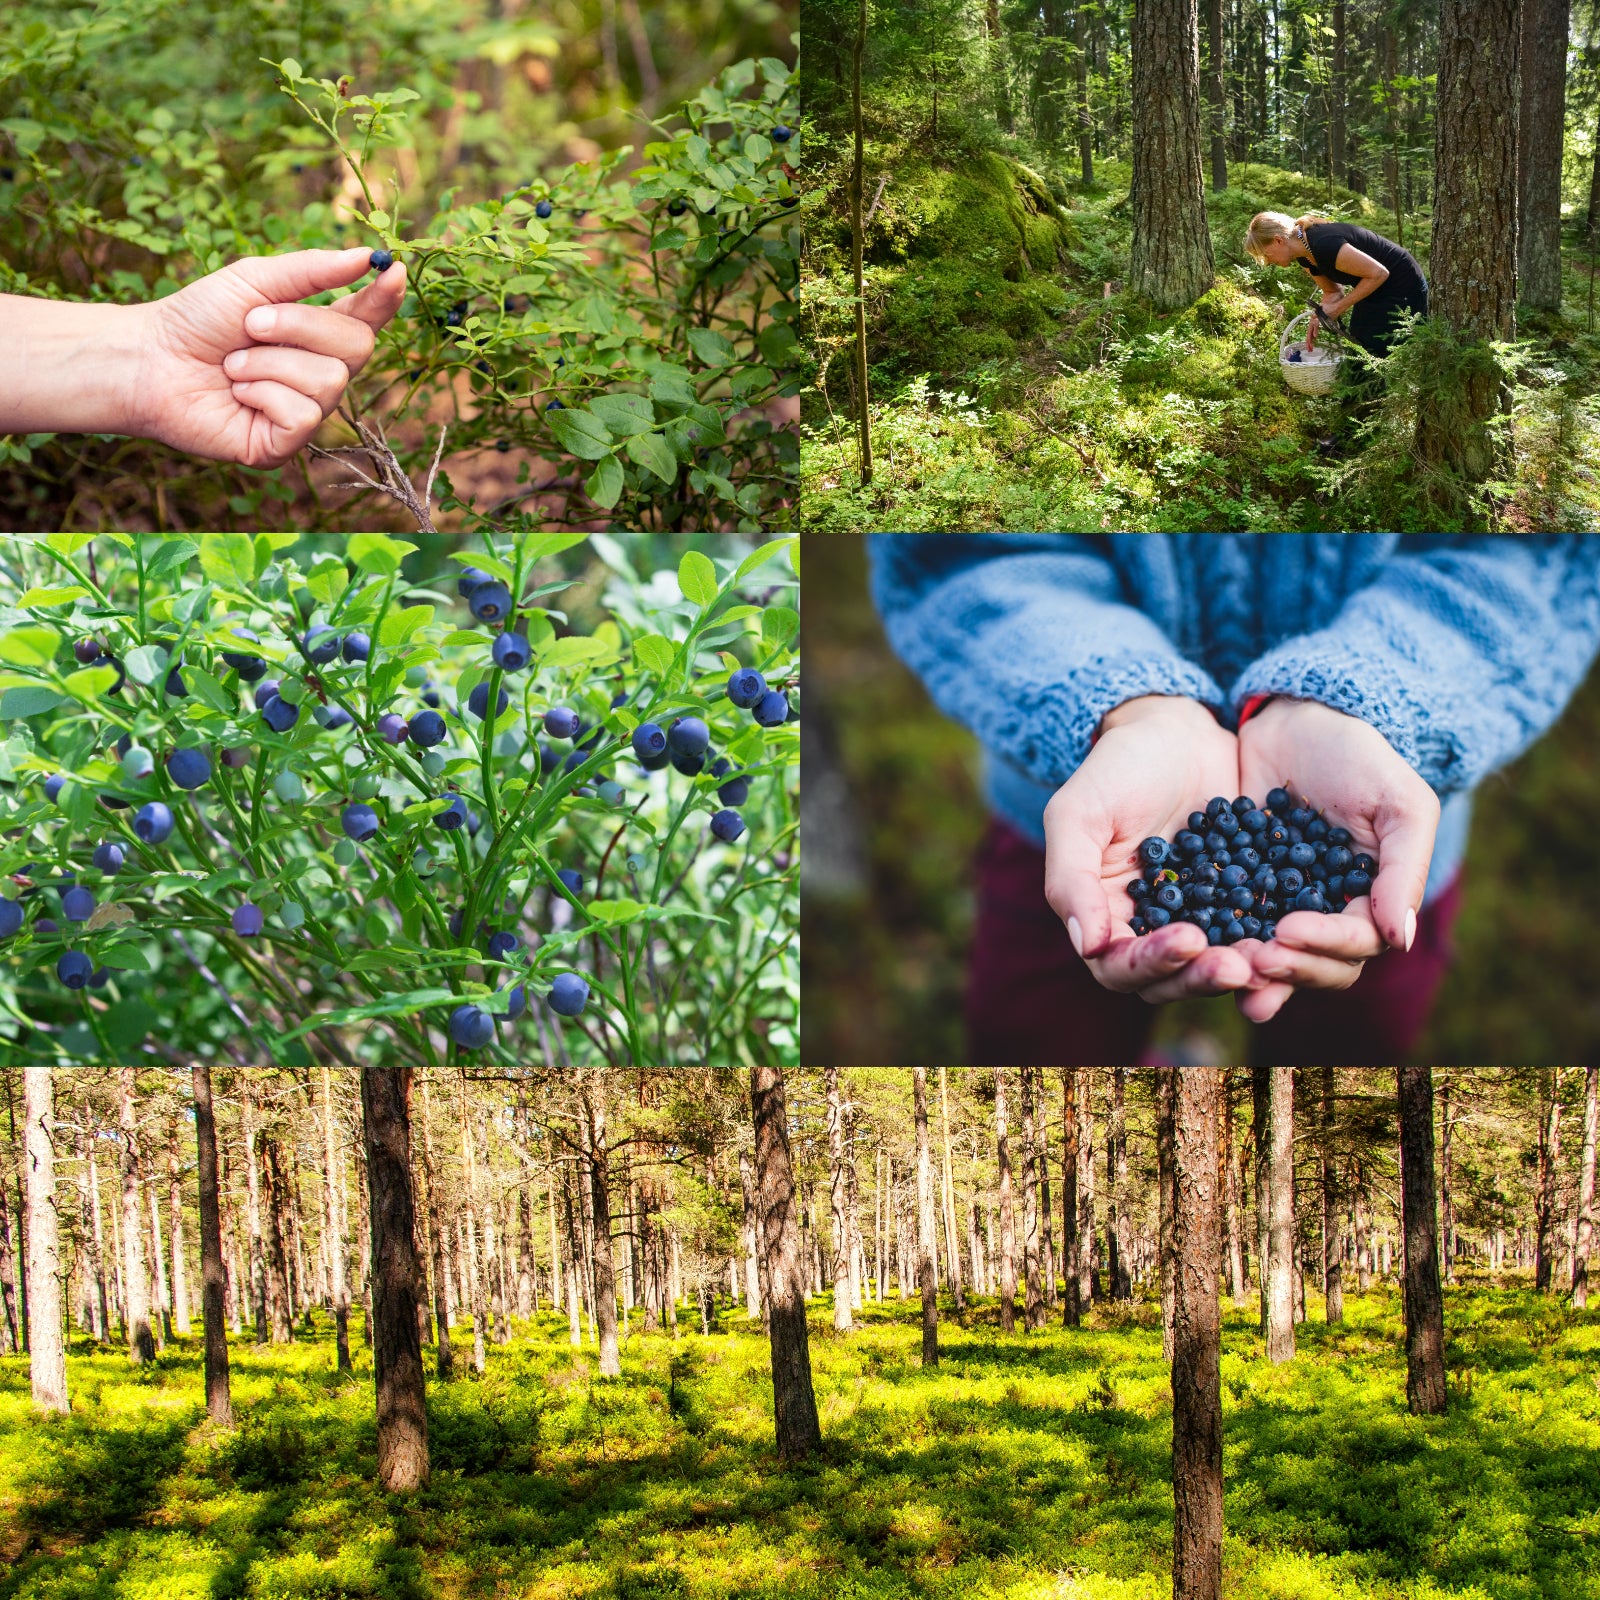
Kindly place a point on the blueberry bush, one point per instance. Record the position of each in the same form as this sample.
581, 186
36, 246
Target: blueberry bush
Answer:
285, 798
603, 266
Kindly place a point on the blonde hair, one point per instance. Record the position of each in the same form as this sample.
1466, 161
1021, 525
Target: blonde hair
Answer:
1265, 226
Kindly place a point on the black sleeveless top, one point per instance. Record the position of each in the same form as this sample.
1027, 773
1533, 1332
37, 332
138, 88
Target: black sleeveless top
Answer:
1405, 280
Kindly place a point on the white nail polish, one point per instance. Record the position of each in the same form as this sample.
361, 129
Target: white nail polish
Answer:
1075, 934
1411, 926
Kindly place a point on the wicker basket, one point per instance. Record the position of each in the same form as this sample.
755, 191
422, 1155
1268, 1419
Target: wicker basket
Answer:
1316, 378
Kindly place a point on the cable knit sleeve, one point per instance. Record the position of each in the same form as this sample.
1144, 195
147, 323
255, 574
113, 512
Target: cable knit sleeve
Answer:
1461, 652
1026, 639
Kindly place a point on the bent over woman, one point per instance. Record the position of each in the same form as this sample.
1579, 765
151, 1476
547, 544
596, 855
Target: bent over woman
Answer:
1357, 270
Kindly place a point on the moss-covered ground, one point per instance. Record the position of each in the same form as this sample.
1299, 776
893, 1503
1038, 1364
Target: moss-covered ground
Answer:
1025, 1467
1017, 385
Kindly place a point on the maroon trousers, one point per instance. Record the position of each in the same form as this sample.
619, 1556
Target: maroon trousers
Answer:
1032, 1002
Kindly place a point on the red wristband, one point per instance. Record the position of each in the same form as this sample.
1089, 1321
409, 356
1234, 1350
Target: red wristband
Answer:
1253, 705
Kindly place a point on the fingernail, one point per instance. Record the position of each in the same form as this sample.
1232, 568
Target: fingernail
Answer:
262, 320
1411, 926
233, 361
1075, 934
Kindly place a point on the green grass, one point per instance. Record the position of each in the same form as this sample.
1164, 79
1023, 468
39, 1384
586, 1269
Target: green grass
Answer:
1025, 1467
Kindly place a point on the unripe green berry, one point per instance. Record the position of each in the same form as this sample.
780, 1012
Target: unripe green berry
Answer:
327, 972
293, 913
416, 676
433, 763
138, 763
422, 863
288, 788
366, 787
345, 853
635, 863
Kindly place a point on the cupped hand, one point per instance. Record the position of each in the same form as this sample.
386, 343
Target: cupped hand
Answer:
1350, 772
1157, 759
235, 370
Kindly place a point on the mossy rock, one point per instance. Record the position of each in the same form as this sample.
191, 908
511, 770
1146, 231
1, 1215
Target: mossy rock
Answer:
946, 315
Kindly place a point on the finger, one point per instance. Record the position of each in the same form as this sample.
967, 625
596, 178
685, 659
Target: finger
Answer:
323, 378
293, 416
1072, 882
1263, 1004
1305, 969
1350, 934
1135, 963
375, 303
1220, 969
319, 330
302, 273
1405, 847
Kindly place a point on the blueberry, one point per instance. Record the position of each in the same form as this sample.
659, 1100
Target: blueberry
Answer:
109, 858
1153, 851
1338, 859
688, 736
77, 905
1222, 858
392, 729
153, 822
320, 645
431, 698
568, 995
428, 729
561, 722
1309, 899
472, 578
88, 650
471, 1027
772, 710
746, 688
575, 759
734, 792
1214, 933
265, 692
1290, 882
279, 715
1278, 854
1269, 929
1198, 917
1335, 888
1169, 896
1233, 876
543, 209
1240, 898
656, 763
1156, 916
1250, 927
677, 206
1300, 816
1277, 801
248, 921
1357, 883
689, 766
99, 978
1364, 863
573, 880
549, 759
1232, 933
332, 716
648, 740
1301, 855
454, 816
241, 662
728, 825
11, 917
359, 822
1254, 820
1189, 843
53, 786
502, 944
1275, 833
189, 769
1215, 806
175, 686
1247, 857
518, 1003
1227, 824
1340, 836
612, 793
46, 925
1265, 881
74, 969
1202, 894
381, 260
781, 134
1138, 890
236, 756
512, 652
490, 602
478, 701
356, 647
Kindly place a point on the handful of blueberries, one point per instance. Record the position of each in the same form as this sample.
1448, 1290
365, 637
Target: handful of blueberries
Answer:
1238, 867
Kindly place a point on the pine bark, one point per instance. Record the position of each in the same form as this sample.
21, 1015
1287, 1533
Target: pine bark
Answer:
1235, 1198
1549, 1158
1080, 53
1280, 1242
1541, 119
258, 1273
396, 1349
752, 1274
333, 1221
1447, 1207
1071, 1312
180, 1271
794, 1402
1332, 1212
1086, 1184
1166, 1196
857, 229
1424, 1299
1585, 1237
1032, 1280
219, 1399
605, 1280
275, 1195
1260, 1109
441, 1288
947, 1194
1171, 264
1008, 1221
47, 1353
927, 1242
842, 1318
1216, 99
10, 1276
1196, 1340
136, 1288
1120, 1228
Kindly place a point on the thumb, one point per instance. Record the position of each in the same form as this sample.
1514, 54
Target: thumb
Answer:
1405, 847
302, 273
375, 303
1072, 882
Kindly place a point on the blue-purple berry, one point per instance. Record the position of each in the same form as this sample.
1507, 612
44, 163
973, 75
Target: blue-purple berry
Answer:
568, 995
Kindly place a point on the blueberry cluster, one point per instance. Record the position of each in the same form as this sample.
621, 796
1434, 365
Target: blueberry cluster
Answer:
1238, 867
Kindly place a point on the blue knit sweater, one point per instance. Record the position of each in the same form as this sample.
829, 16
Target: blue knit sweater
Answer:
1461, 650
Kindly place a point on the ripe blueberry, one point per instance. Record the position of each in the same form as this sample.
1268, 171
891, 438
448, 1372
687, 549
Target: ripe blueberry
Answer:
428, 729
74, 969
11, 917
1189, 843
381, 260
1338, 858
478, 701
1247, 858
359, 822
1277, 801
1215, 806
1250, 927
189, 769
1290, 882
1233, 876
1156, 916
392, 729
249, 667
1169, 896
175, 686
746, 687
561, 722
772, 709
489, 602
782, 134
332, 717
265, 692
1153, 851
471, 1027
87, 650
109, 858
453, 816
1340, 836
728, 825
248, 921
573, 880
1309, 899
543, 209
502, 944
688, 736
648, 740
77, 905
1357, 883
1254, 820
575, 759
472, 578
153, 823
99, 978
568, 995
518, 1003
1242, 805
53, 786
321, 645
689, 766
279, 715
356, 647
512, 652
735, 791
1227, 824
1301, 855
677, 206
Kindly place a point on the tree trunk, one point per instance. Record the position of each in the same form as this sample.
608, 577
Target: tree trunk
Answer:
1171, 264
1280, 1242
219, 1400
396, 1349
161, 1300
1541, 119
947, 1192
136, 1289
857, 229
1424, 1300
441, 1282
1008, 1221
605, 1279
1196, 1340
1585, 1239
1332, 1212
1363, 1235
180, 1274
1071, 1313
10, 1332
1216, 95
1447, 1210
1549, 1159
527, 1275
842, 1320
1166, 1204
1235, 1179
47, 1356
333, 1222
1080, 51
258, 1273
1260, 1110
794, 1403
1086, 1181
276, 1195
752, 1276
927, 1240
1033, 1286
1121, 1228
93, 1236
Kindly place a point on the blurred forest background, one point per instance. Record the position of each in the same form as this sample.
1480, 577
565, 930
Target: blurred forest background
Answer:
893, 813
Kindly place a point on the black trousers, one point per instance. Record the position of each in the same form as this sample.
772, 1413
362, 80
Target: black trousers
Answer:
1372, 321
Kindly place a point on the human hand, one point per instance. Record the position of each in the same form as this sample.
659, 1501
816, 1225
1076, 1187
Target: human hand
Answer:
231, 368
1332, 307
1155, 755
1351, 771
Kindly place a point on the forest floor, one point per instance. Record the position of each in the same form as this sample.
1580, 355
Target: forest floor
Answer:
1017, 385
1029, 1467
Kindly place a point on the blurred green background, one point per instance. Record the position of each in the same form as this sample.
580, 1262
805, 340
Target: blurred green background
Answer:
893, 813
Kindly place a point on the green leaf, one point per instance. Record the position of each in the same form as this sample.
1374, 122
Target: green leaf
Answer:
47, 596
378, 219
493, 565
67, 544
393, 1005
461, 637
697, 578
29, 647
377, 552
400, 625
778, 624
290, 68
541, 545
205, 687
711, 347
328, 579
376, 927
654, 653
175, 553
604, 484
146, 664
624, 414
581, 432
127, 1023
127, 958
569, 652
653, 453
760, 557
28, 700
89, 683
229, 559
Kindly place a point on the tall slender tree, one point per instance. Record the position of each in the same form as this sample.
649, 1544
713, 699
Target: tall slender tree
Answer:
180, 1269
1549, 1165
947, 1192
842, 1318
219, 1398
135, 1285
857, 230
1541, 120
441, 1291
1070, 1309
927, 1242
1008, 1221
605, 1280
1280, 1241
1332, 1211
333, 1222
1585, 1236
1424, 1299
1032, 1280
47, 1353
